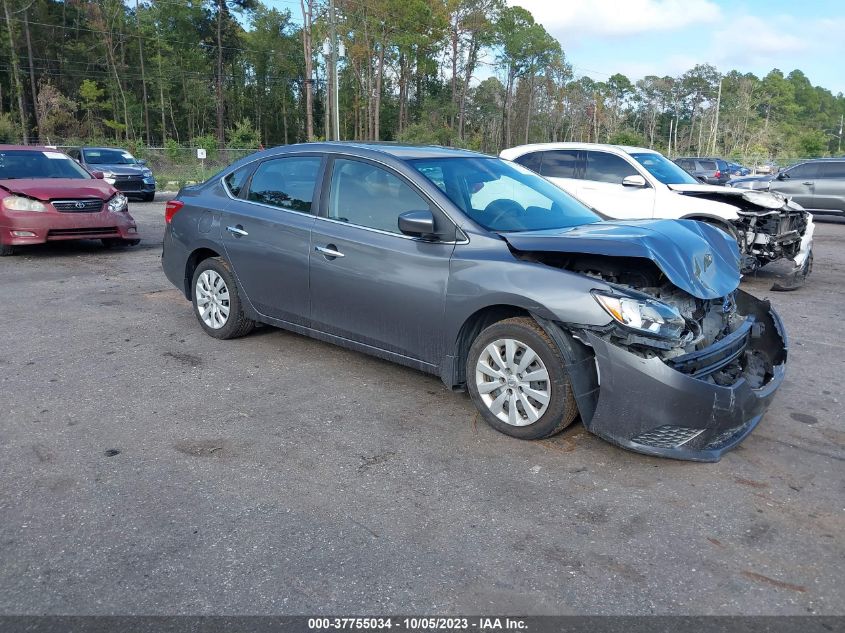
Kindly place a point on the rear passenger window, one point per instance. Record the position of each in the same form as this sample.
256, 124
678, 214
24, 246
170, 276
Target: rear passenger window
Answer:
833, 170
531, 161
707, 165
287, 183
605, 167
236, 180
369, 196
560, 164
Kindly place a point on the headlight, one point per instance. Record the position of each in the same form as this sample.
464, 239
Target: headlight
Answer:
19, 203
147, 172
765, 199
118, 203
646, 315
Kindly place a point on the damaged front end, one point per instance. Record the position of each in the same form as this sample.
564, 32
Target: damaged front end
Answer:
677, 372
769, 227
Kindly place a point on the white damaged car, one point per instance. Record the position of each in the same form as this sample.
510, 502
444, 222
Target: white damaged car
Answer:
626, 183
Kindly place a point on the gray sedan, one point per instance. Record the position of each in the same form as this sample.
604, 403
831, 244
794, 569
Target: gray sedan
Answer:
479, 271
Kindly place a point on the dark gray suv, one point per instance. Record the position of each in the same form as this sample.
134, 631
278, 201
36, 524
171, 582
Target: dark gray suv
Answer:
483, 273
713, 171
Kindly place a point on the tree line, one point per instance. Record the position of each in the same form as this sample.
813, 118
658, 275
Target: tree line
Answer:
469, 73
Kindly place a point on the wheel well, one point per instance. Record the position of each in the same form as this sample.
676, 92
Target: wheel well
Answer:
473, 326
191, 265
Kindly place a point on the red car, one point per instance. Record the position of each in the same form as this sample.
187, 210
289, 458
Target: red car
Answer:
45, 196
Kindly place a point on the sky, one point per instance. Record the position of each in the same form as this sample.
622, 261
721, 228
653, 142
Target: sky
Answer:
667, 37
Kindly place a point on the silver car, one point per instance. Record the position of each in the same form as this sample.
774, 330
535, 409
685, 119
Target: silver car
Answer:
481, 272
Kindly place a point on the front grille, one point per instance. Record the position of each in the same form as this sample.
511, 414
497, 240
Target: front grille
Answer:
720, 354
667, 436
96, 231
785, 226
128, 183
84, 205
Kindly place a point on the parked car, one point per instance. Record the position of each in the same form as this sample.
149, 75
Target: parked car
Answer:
714, 171
817, 185
45, 196
632, 182
735, 169
479, 271
769, 167
128, 174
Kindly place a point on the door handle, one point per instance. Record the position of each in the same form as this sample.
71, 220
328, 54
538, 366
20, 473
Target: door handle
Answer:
807, 182
329, 251
237, 230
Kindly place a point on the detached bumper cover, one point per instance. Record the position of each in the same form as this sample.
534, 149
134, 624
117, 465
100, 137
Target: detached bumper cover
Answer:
648, 406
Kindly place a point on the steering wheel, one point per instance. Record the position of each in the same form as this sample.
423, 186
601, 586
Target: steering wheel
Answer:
502, 207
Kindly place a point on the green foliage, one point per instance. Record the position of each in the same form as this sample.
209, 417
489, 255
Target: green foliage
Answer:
243, 136
9, 130
812, 144
172, 149
628, 137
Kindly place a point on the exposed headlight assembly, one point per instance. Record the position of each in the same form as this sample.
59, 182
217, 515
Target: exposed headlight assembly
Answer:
765, 199
19, 203
118, 203
648, 316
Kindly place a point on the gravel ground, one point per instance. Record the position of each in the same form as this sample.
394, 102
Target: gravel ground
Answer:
150, 469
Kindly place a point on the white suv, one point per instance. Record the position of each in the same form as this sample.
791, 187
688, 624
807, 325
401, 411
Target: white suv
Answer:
628, 183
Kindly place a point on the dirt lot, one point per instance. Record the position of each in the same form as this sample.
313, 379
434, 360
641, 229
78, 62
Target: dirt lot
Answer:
147, 468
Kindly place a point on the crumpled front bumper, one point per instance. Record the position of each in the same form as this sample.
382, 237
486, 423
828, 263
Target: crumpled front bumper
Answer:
646, 405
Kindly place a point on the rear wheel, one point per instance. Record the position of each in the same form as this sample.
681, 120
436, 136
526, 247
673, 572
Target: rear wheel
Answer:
516, 379
217, 304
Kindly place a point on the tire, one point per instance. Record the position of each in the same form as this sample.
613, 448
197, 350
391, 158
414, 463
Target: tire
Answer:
218, 308
6, 250
149, 197
515, 407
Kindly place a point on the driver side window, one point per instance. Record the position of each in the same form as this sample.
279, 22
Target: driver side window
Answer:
604, 167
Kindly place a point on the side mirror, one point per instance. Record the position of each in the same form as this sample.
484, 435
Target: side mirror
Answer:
98, 175
633, 181
142, 161
417, 224
782, 176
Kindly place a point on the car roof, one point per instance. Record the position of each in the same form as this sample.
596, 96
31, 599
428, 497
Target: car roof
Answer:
396, 150
34, 148
117, 149
623, 149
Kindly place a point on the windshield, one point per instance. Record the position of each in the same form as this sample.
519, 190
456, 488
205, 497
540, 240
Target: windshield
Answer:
109, 157
16, 164
664, 169
503, 196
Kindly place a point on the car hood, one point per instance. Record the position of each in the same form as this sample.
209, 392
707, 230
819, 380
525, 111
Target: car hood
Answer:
121, 170
55, 188
699, 259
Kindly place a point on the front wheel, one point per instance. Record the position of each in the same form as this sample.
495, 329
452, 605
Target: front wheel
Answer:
217, 304
6, 250
516, 379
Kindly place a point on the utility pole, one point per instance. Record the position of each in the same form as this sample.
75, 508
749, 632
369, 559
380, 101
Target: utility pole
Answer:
839, 145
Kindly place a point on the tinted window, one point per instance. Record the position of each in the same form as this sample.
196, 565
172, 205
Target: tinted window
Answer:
686, 164
287, 183
237, 179
833, 170
531, 161
605, 167
807, 170
370, 196
38, 164
707, 165
560, 164
502, 196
